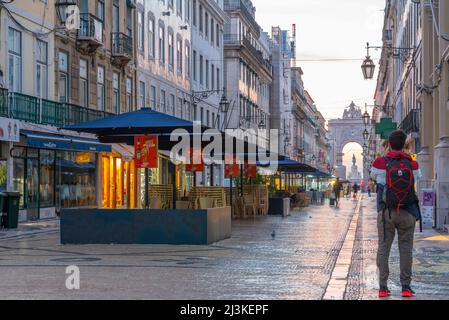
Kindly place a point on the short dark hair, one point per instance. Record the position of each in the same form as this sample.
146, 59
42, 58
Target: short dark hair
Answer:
397, 140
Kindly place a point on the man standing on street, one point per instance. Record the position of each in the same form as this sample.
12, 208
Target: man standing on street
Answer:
398, 209
337, 191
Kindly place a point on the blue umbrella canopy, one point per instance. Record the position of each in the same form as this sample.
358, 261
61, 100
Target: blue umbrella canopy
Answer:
143, 121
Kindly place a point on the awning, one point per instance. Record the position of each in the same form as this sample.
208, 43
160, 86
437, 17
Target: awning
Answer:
127, 152
59, 142
288, 165
141, 122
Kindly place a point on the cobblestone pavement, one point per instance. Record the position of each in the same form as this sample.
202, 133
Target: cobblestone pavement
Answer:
431, 262
296, 264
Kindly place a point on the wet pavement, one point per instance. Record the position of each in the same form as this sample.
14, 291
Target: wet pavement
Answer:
318, 253
294, 264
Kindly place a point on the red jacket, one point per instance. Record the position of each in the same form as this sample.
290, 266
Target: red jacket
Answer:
381, 162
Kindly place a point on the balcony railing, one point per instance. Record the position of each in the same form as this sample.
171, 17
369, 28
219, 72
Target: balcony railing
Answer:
238, 5
42, 111
91, 28
410, 124
122, 45
233, 39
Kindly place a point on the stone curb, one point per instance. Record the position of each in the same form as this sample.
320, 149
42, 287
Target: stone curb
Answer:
336, 287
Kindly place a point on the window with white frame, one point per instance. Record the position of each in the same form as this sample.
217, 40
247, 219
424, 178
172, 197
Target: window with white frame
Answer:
41, 69
116, 92
63, 82
179, 56
188, 65
141, 94
140, 31
162, 44
179, 8
151, 38
84, 84
101, 96
180, 108
171, 53
129, 94
153, 97
172, 104
15, 60
163, 102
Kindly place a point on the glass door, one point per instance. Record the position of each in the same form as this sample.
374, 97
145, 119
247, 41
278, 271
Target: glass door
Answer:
32, 184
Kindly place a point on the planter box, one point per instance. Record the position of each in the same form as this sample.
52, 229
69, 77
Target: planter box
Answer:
176, 227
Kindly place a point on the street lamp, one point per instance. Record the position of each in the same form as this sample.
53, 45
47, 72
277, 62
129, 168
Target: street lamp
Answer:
365, 134
224, 103
368, 66
62, 9
366, 118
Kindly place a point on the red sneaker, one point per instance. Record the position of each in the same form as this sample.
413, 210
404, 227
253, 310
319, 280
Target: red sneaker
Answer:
384, 293
407, 292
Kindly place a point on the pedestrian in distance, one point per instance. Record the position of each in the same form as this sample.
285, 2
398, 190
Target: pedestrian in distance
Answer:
398, 210
355, 190
337, 191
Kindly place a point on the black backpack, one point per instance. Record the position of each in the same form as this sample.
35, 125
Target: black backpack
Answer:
400, 187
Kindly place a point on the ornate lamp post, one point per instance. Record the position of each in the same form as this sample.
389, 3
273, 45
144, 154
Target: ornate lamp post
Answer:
368, 66
62, 9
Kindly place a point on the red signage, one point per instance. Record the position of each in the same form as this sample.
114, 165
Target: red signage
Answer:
250, 170
232, 170
146, 148
195, 157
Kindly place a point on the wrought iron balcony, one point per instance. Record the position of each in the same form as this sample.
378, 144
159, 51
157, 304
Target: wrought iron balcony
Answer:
90, 33
238, 5
411, 122
122, 47
235, 40
42, 111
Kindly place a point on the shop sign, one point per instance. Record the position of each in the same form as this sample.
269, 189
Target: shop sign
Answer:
194, 167
428, 207
146, 150
84, 157
250, 170
232, 170
9, 130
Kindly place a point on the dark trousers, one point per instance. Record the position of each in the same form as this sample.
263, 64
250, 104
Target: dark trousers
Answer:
387, 224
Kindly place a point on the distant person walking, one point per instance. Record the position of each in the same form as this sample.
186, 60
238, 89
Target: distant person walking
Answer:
355, 190
337, 191
398, 210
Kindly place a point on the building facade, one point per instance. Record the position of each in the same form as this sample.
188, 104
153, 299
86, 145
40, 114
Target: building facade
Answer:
54, 77
208, 18
248, 71
412, 89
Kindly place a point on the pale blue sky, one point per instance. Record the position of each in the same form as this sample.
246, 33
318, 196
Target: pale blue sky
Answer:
330, 29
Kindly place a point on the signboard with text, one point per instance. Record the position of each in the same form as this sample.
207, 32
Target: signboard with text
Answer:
196, 160
9, 130
146, 150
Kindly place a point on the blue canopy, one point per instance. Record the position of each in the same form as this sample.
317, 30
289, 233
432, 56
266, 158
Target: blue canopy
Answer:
289, 165
59, 142
143, 121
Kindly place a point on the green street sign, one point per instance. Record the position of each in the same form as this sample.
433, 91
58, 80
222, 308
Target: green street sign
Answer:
385, 127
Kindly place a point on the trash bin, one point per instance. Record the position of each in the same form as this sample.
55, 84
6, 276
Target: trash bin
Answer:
11, 208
